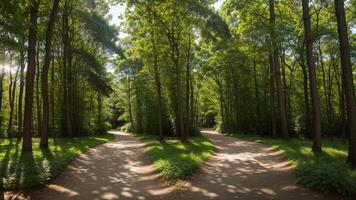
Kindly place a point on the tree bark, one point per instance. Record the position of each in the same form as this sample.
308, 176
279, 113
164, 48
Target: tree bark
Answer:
188, 86
306, 96
272, 96
257, 97
312, 78
347, 77
279, 86
100, 108
129, 103
30, 75
66, 69
45, 69
38, 96
53, 126
2, 75
20, 98
12, 92
175, 58
158, 89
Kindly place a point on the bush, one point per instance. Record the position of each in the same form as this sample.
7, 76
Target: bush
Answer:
194, 131
102, 128
326, 177
127, 128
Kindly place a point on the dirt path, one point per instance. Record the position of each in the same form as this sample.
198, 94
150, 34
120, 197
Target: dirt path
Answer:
246, 170
120, 170
115, 170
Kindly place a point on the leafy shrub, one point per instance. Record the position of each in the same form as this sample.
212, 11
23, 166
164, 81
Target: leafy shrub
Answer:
127, 128
107, 126
326, 177
102, 128
194, 131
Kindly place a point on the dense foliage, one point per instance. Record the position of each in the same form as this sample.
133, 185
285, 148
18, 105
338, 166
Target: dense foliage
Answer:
73, 44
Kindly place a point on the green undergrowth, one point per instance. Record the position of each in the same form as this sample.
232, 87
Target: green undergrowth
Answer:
176, 159
326, 171
24, 170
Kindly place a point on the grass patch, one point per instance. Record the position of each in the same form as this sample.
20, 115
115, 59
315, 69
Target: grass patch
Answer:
23, 170
326, 172
175, 159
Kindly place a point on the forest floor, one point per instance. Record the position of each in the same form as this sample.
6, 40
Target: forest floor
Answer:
121, 169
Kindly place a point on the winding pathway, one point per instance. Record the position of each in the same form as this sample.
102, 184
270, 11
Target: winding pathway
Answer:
120, 170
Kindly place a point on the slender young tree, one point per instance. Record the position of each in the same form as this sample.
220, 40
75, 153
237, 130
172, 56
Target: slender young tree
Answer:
30, 75
45, 69
12, 92
312, 78
158, 88
272, 95
20, 97
277, 72
347, 79
2, 75
67, 62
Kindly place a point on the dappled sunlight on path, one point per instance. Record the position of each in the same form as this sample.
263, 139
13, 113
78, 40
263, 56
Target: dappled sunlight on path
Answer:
120, 170
116, 170
245, 170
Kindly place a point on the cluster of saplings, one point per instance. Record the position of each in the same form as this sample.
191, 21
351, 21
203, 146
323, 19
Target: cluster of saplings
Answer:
53, 78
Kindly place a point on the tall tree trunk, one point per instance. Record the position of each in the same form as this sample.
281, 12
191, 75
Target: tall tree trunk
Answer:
38, 96
284, 79
192, 106
10, 98
306, 95
272, 95
312, 78
30, 75
257, 97
158, 89
322, 65
347, 77
45, 69
66, 69
12, 92
20, 98
279, 86
53, 126
140, 123
129, 104
2, 75
342, 107
100, 108
175, 58
326, 97
187, 100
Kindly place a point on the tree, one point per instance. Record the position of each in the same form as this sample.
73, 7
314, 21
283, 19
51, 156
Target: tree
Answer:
312, 79
45, 69
30, 75
347, 78
279, 86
